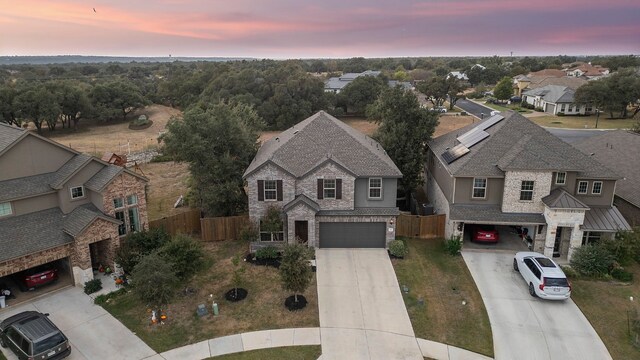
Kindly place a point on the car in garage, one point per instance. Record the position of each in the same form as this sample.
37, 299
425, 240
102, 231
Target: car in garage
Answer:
35, 277
31, 335
545, 278
485, 234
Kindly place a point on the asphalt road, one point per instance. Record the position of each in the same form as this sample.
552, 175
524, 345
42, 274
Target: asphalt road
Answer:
474, 109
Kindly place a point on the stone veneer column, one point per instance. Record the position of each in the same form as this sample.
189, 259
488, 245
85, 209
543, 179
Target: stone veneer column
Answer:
550, 240
575, 241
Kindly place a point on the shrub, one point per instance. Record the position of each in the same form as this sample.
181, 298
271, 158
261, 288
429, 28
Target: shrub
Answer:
154, 281
267, 253
295, 271
249, 233
453, 245
592, 260
625, 247
92, 286
569, 271
398, 248
104, 298
142, 120
560, 114
136, 245
622, 275
184, 254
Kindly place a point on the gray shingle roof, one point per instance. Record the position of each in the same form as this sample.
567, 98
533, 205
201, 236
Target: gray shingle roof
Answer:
391, 211
77, 220
26, 187
516, 143
103, 177
619, 151
492, 214
8, 135
322, 137
605, 219
560, 199
43, 232
68, 169
304, 200
553, 93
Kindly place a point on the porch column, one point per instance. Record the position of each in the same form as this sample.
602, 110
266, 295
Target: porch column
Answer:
550, 239
81, 264
575, 241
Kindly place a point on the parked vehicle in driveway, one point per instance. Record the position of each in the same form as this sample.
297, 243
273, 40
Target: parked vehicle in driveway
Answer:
31, 335
545, 278
40, 275
485, 233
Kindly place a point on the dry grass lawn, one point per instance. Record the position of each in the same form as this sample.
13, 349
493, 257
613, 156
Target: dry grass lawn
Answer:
582, 122
262, 309
606, 305
309, 352
167, 181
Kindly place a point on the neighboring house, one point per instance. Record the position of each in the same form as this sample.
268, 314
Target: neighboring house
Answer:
458, 75
522, 83
59, 205
336, 84
509, 172
554, 99
619, 150
586, 70
335, 186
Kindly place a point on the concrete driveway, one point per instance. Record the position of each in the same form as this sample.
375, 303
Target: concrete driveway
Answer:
525, 327
92, 331
362, 314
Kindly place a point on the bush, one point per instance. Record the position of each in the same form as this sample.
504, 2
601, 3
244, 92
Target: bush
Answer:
104, 298
398, 248
154, 281
622, 275
625, 247
142, 120
267, 253
249, 233
92, 286
453, 245
569, 271
136, 245
592, 260
162, 158
560, 114
184, 254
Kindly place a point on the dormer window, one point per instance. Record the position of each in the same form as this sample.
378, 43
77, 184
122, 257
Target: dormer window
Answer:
77, 192
561, 178
597, 188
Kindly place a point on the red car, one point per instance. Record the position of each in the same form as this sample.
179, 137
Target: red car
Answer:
485, 233
37, 276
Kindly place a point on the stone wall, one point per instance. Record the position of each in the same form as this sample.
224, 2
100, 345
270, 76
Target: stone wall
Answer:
35, 259
390, 227
308, 186
121, 187
571, 220
257, 209
99, 230
512, 184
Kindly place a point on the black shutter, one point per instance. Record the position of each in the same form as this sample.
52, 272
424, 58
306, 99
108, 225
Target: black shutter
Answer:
338, 188
260, 190
279, 189
320, 189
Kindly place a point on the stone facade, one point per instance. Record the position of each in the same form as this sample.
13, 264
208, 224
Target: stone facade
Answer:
512, 184
35, 259
570, 221
121, 187
99, 230
308, 185
257, 209
301, 212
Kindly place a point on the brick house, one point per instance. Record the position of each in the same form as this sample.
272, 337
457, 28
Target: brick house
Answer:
59, 205
510, 173
335, 186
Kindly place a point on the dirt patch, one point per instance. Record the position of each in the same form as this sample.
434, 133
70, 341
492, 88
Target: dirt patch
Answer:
167, 181
448, 123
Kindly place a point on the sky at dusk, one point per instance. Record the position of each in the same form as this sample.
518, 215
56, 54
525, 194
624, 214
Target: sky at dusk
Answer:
320, 28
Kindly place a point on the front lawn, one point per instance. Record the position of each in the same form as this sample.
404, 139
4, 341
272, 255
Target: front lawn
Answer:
263, 308
606, 305
582, 122
443, 282
309, 352
508, 107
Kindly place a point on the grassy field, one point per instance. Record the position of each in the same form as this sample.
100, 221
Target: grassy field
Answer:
263, 308
443, 282
167, 181
606, 304
309, 352
509, 107
583, 122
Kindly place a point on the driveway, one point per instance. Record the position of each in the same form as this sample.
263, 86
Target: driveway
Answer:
362, 314
92, 331
525, 327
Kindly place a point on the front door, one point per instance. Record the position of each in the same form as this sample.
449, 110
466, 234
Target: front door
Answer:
556, 244
302, 231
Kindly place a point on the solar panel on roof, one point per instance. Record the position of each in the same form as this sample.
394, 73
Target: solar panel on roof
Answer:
472, 137
454, 153
490, 122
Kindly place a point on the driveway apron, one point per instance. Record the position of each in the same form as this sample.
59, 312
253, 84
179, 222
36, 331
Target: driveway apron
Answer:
525, 327
362, 313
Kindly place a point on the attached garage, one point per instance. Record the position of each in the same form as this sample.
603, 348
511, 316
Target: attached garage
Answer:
352, 235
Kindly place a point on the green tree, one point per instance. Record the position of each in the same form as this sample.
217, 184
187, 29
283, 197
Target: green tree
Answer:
405, 128
272, 222
361, 92
218, 142
154, 281
38, 105
73, 101
117, 97
185, 255
295, 270
504, 89
612, 94
7, 107
439, 88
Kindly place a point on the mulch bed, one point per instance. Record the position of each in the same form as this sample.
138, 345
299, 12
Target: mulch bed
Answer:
263, 262
393, 256
236, 294
291, 304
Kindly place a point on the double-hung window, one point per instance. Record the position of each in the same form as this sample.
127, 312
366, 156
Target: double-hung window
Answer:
479, 188
270, 190
329, 188
526, 190
597, 188
561, 178
583, 187
375, 188
77, 192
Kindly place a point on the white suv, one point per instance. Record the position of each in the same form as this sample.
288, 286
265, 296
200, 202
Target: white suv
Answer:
545, 278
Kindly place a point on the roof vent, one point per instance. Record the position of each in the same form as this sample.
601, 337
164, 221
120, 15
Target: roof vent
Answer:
295, 132
277, 139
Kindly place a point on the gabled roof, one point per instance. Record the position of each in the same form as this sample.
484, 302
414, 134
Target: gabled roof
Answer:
319, 138
619, 150
302, 199
552, 93
76, 221
26, 186
103, 177
516, 143
69, 169
560, 199
9, 135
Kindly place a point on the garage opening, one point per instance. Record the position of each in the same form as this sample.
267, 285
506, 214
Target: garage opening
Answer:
503, 237
352, 235
36, 281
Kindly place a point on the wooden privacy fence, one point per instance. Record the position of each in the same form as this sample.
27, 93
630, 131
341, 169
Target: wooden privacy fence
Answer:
425, 227
186, 223
222, 228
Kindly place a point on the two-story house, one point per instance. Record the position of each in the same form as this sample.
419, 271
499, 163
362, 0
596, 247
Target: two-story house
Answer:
335, 186
508, 172
63, 207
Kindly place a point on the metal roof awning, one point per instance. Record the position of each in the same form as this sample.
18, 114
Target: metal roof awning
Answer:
492, 214
604, 219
